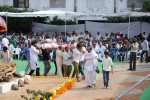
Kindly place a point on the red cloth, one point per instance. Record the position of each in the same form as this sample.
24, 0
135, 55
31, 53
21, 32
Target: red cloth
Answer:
121, 39
3, 26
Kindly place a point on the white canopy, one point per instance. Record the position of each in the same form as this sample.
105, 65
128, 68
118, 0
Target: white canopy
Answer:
75, 14
42, 13
123, 14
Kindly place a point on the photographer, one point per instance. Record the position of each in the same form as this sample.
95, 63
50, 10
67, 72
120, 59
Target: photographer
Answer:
133, 54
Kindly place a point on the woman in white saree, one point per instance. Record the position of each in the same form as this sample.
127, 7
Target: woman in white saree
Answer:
91, 65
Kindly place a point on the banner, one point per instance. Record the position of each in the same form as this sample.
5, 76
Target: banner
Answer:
93, 27
38, 27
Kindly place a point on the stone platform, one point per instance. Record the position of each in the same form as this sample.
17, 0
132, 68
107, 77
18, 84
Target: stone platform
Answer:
6, 86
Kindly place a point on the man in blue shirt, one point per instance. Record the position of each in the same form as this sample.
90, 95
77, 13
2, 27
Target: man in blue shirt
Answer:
26, 53
113, 51
64, 39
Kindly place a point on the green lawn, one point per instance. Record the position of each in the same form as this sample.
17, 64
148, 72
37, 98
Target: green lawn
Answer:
145, 94
22, 64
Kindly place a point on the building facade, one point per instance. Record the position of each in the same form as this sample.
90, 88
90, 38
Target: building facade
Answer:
83, 6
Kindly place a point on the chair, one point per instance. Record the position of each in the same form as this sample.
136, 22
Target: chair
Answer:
17, 52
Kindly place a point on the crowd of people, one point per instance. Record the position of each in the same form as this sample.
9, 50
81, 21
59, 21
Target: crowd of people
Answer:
86, 54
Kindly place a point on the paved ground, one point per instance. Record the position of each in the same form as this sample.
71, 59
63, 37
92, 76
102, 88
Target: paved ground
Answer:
43, 84
120, 82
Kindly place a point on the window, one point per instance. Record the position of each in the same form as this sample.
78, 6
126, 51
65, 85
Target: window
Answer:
95, 3
136, 3
57, 3
21, 3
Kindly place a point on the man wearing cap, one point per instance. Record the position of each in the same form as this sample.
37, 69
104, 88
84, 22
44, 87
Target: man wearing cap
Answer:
107, 66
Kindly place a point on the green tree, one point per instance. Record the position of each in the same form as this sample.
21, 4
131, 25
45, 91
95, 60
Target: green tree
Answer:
58, 21
146, 6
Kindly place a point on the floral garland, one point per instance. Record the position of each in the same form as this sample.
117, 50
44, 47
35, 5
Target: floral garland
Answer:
61, 89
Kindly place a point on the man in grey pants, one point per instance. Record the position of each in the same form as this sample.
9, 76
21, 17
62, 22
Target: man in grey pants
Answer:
26, 53
133, 54
46, 60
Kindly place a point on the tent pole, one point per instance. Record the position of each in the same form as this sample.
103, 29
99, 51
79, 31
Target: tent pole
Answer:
6, 25
141, 26
85, 23
65, 23
129, 26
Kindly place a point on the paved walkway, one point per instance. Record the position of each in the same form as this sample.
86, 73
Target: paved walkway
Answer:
120, 81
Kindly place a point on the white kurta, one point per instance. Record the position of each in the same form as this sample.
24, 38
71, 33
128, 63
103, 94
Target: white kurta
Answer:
59, 61
101, 52
5, 42
34, 58
90, 66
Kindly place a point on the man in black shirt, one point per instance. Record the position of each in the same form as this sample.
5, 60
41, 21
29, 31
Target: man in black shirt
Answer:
46, 60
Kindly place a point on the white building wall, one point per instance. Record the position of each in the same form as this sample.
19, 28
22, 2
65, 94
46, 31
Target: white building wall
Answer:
106, 6
121, 6
109, 6
6, 2
69, 6
35, 5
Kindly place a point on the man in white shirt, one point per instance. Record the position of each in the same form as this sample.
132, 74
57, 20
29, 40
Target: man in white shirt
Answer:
5, 41
76, 58
34, 52
67, 62
53, 39
98, 36
107, 67
69, 38
145, 49
81, 69
11, 49
101, 51
106, 36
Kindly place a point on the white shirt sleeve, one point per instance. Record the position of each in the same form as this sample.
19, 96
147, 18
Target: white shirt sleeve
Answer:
65, 57
111, 63
76, 51
3, 41
35, 50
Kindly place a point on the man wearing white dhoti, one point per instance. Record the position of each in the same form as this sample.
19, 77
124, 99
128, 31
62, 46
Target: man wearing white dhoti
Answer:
59, 60
90, 66
34, 52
